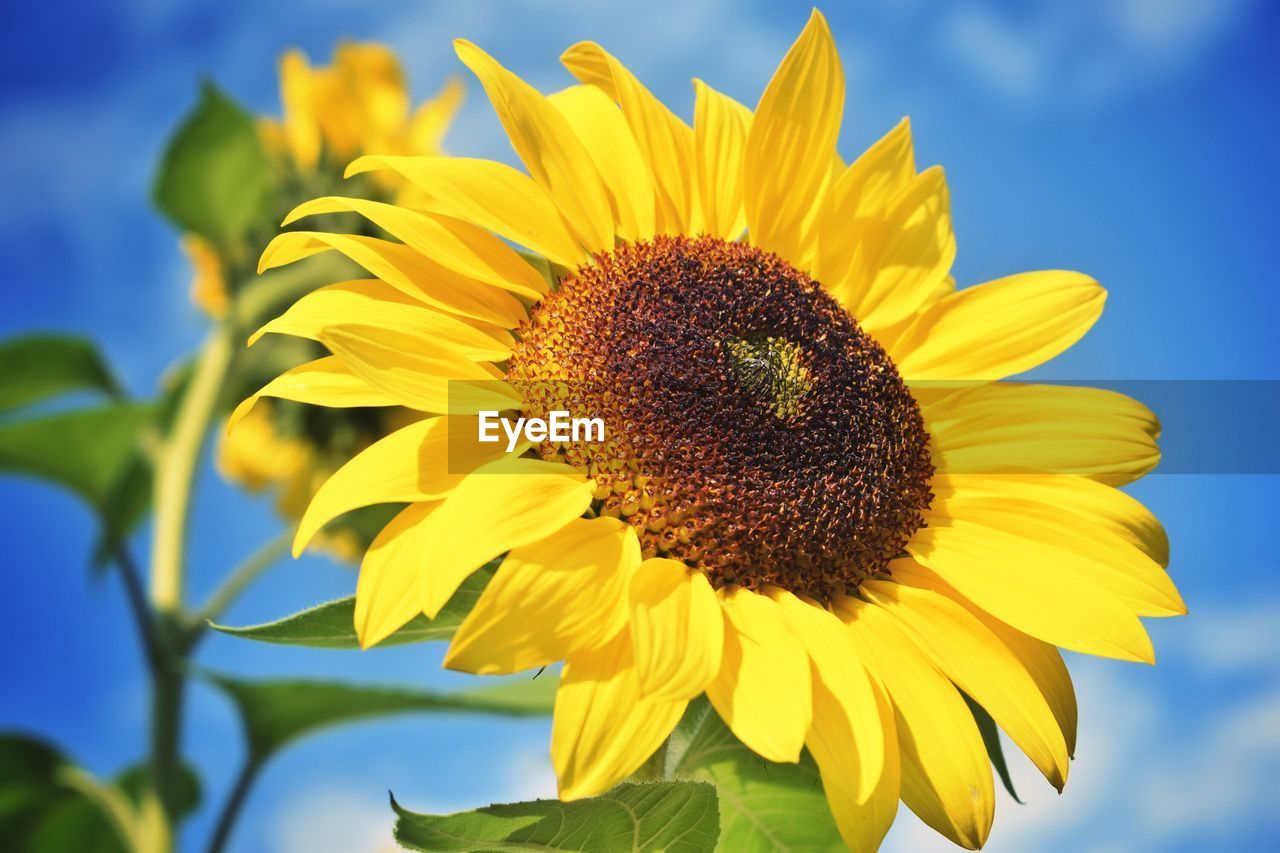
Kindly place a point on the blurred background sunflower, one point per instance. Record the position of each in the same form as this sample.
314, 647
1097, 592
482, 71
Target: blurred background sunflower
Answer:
330, 114
1125, 116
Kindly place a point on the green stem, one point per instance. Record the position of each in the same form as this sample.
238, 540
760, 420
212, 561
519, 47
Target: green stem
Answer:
167, 689
231, 809
137, 597
239, 579
179, 458
177, 462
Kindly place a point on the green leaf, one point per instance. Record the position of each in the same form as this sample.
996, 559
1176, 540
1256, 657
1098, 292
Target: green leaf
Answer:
671, 816
90, 451
41, 810
332, 625
214, 178
276, 713
133, 782
35, 367
991, 740
763, 806
73, 823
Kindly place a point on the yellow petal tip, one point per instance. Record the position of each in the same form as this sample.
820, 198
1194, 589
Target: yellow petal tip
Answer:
471, 54
359, 165
295, 214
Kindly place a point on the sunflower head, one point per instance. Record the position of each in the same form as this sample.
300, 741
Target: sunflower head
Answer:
357, 105
757, 434
777, 516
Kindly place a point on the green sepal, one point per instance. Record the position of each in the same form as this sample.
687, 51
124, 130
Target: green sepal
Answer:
991, 740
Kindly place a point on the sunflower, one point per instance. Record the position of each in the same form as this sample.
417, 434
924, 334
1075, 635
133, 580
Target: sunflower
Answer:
814, 503
359, 104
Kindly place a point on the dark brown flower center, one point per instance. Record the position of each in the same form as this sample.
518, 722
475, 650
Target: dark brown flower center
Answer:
752, 429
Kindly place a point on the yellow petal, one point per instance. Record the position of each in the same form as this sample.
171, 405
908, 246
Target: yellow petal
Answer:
551, 151
423, 461
1040, 659
981, 665
374, 102
872, 180
1045, 665
677, 630
903, 256
793, 134
335, 111
720, 136
371, 302
409, 271
419, 373
1000, 328
858, 196
946, 774
208, 282
1004, 428
1090, 551
1031, 585
323, 382
387, 591
862, 817
458, 246
550, 600
599, 123
500, 506
1089, 501
488, 194
763, 690
604, 728
665, 141
841, 681
431, 120
296, 96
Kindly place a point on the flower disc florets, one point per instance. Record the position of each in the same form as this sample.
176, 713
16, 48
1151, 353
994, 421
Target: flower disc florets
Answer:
753, 431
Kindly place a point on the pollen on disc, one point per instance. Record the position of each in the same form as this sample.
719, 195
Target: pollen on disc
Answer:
753, 430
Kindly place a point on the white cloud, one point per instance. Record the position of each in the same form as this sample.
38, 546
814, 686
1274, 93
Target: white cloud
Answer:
530, 776
338, 816
333, 818
995, 50
1241, 641
1172, 29
1047, 820
1218, 777
1087, 52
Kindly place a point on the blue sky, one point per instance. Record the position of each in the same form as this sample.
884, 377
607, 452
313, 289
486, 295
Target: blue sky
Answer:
1130, 139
